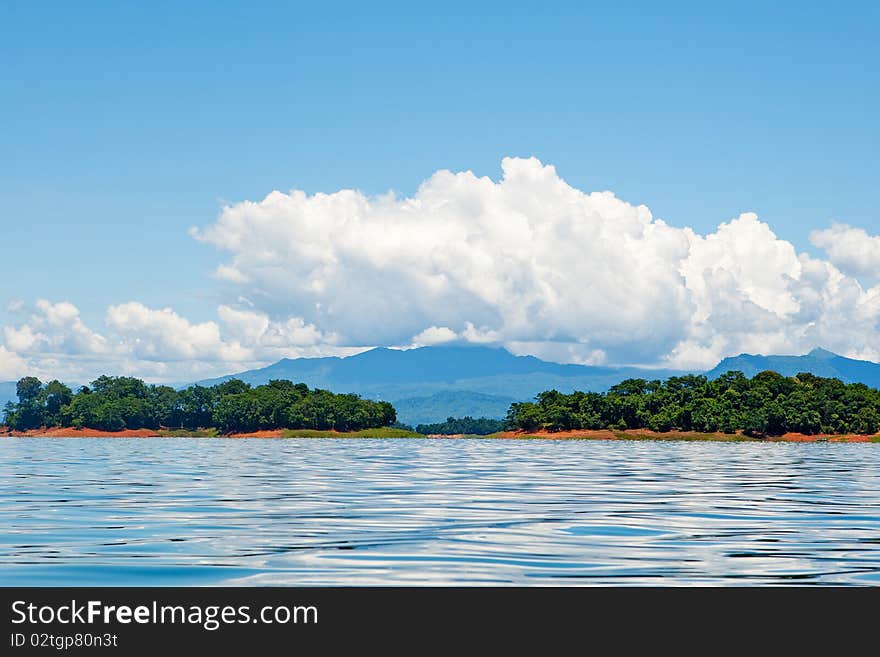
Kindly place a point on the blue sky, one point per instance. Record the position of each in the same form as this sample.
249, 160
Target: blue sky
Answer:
126, 124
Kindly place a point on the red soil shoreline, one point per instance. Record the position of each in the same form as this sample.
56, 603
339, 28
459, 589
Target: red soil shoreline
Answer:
580, 434
647, 434
72, 432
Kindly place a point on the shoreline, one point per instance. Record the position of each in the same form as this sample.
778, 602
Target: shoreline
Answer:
72, 432
647, 434
580, 434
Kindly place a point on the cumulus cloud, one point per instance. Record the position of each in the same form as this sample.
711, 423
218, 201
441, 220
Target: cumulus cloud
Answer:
434, 335
851, 249
12, 366
164, 335
528, 262
158, 344
540, 267
526, 259
55, 328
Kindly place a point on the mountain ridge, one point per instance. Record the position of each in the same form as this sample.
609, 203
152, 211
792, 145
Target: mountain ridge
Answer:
818, 361
428, 384
476, 378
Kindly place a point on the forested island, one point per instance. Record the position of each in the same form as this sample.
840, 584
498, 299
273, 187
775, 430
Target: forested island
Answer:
114, 403
467, 425
767, 405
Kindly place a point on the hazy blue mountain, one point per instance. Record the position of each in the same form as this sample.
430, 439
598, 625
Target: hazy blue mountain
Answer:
423, 365
432, 383
439, 406
7, 394
819, 362
447, 380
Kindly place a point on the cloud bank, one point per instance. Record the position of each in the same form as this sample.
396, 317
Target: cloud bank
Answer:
852, 250
159, 344
545, 268
528, 262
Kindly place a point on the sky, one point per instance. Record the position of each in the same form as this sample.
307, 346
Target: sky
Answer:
190, 191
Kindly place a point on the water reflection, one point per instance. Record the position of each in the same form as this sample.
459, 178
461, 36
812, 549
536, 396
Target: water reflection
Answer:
213, 511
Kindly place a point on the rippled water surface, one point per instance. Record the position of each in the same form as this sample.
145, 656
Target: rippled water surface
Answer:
318, 511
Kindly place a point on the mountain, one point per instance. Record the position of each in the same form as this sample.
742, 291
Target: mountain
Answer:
429, 384
819, 362
8, 394
441, 405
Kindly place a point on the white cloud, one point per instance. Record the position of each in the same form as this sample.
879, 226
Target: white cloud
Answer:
434, 335
231, 274
528, 262
538, 265
158, 344
529, 258
481, 335
12, 366
164, 335
54, 328
851, 249
256, 329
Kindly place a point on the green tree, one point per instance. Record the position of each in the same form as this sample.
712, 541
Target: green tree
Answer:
29, 412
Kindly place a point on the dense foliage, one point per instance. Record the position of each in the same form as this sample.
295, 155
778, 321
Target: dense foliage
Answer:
767, 404
480, 426
114, 403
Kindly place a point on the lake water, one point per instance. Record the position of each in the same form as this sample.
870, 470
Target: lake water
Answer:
319, 511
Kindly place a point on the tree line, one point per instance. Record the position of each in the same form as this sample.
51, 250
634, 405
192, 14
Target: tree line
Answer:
767, 404
480, 426
112, 403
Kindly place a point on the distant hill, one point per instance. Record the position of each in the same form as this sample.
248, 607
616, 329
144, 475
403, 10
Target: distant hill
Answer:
7, 394
429, 384
439, 406
819, 362
478, 378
